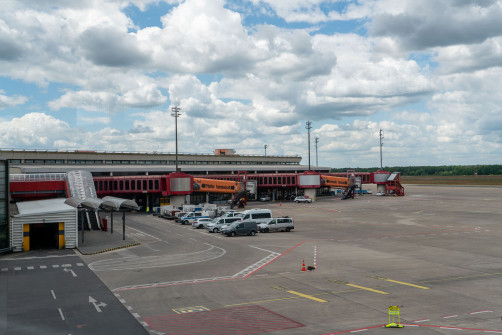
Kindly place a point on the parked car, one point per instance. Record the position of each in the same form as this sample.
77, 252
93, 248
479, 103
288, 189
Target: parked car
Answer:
301, 198
277, 224
201, 223
265, 198
216, 225
241, 228
380, 193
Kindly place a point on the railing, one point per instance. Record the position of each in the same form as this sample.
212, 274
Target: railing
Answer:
138, 152
37, 177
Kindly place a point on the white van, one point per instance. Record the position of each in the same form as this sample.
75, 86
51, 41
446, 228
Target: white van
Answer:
256, 214
277, 224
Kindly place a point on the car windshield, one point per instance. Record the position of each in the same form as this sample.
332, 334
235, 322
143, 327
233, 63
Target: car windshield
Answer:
216, 220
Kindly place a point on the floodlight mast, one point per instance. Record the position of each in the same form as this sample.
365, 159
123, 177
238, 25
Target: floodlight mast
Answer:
309, 126
316, 157
381, 145
175, 112
265, 147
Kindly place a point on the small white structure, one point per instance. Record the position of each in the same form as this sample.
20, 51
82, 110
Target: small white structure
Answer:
42, 214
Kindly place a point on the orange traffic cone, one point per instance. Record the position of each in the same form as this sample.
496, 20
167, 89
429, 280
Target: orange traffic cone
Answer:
303, 267
280, 204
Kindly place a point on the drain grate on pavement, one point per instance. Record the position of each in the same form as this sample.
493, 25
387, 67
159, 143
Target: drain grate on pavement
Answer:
231, 321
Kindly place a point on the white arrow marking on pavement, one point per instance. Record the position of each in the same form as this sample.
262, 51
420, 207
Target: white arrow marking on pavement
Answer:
68, 270
97, 306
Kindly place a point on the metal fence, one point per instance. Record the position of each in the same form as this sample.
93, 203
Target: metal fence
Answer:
38, 177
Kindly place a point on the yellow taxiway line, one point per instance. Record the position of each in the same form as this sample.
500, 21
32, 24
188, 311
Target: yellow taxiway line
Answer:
367, 289
306, 296
407, 284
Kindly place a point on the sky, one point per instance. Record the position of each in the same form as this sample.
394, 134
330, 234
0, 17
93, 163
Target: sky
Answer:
105, 74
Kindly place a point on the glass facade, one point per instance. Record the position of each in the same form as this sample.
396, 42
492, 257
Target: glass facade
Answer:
4, 204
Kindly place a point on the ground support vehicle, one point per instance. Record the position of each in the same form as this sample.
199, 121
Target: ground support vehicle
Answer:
256, 214
216, 225
201, 223
301, 198
277, 224
189, 218
241, 228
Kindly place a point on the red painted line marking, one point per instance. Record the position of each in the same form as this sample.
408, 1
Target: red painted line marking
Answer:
261, 267
449, 316
232, 321
458, 328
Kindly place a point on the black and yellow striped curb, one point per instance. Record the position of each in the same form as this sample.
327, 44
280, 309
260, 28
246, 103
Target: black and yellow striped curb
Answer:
110, 249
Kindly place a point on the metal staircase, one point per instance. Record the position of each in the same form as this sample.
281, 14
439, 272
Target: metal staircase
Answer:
81, 186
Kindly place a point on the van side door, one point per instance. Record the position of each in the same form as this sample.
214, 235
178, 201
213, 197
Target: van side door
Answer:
272, 225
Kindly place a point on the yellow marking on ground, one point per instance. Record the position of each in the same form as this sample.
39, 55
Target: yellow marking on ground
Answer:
190, 309
408, 284
288, 298
367, 289
306, 296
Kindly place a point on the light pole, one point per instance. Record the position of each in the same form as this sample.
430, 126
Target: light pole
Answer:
309, 126
381, 145
265, 146
316, 157
175, 112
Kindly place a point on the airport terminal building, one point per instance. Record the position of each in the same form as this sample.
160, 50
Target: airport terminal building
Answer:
102, 163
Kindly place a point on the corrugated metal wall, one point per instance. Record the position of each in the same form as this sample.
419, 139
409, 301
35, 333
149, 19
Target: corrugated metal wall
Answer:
70, 227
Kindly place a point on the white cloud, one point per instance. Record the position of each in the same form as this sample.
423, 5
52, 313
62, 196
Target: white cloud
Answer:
242, 83
9, 101
33, 130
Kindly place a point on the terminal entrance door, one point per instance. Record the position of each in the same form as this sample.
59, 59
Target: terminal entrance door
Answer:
44, 236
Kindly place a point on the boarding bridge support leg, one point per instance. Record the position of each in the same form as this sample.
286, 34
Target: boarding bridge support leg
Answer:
177, 200
310, 192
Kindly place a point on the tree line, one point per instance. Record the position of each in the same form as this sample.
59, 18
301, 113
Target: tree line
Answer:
444, 170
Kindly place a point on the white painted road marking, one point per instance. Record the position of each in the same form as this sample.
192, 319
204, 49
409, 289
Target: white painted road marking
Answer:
61, 313
72, 272
96, 305
247, 271
131, 263
479, 312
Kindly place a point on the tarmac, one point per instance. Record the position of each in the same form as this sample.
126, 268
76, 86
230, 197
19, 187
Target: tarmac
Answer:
99, 241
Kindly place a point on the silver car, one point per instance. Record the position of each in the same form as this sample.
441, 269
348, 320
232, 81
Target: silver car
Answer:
301, 198
201, 223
